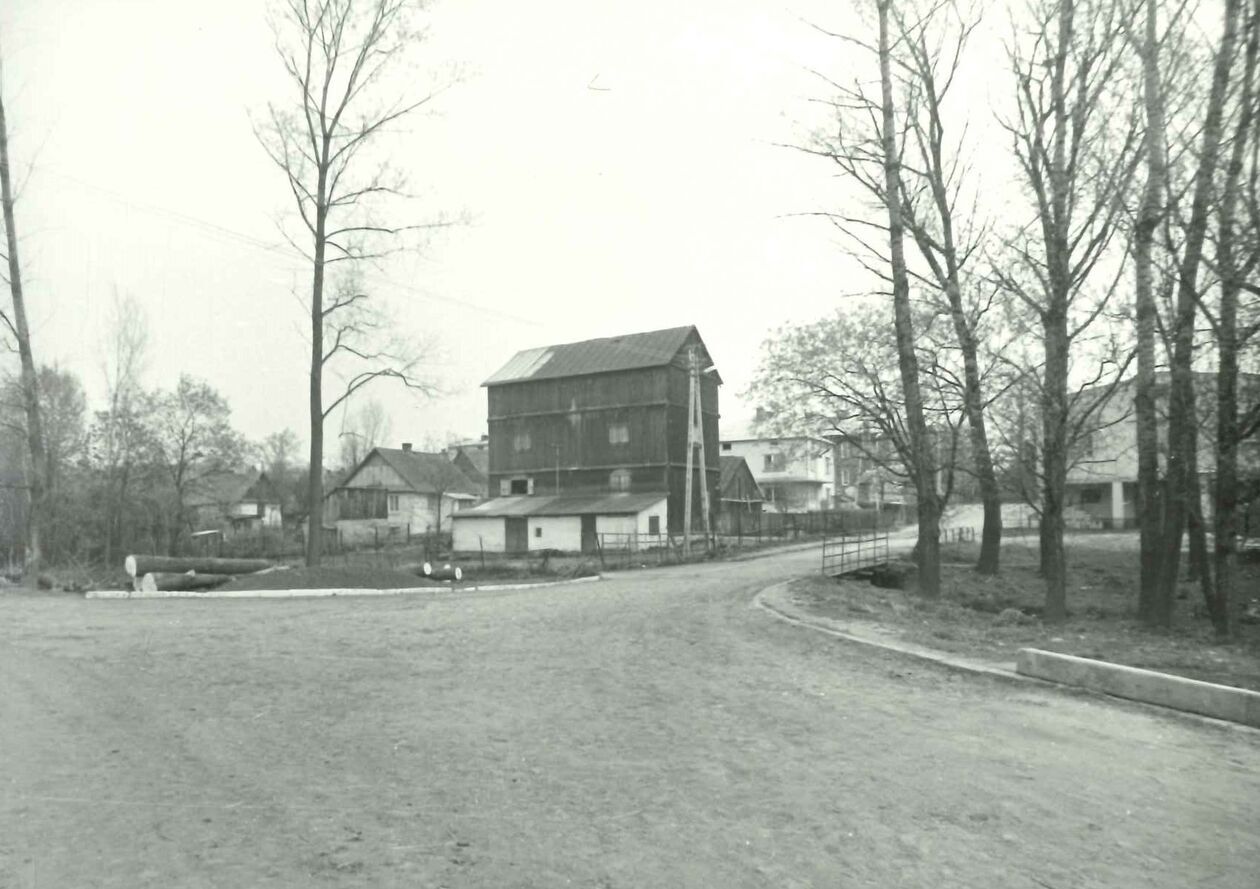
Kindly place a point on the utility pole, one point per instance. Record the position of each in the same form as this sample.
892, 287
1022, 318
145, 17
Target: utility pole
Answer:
691, 447
695, 437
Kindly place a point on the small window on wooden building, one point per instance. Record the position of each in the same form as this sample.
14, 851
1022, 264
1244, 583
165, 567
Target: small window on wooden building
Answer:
619, 480
520, 486
521, 442
618, 433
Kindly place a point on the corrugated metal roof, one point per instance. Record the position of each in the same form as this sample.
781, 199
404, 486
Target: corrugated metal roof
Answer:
628, 352
563, 505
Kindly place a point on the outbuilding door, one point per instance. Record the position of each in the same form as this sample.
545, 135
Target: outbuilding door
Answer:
516, 535
589, 543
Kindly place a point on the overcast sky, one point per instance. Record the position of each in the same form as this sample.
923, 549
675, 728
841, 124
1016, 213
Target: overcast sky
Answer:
617, 163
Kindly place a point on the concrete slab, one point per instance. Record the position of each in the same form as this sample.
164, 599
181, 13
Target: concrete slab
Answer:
1151, 687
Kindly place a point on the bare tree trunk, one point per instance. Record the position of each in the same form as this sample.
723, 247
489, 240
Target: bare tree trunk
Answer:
30, 381
973, 403
1054, 457
315, 478
929, 556
1149, 500
1225, 512
1182, 419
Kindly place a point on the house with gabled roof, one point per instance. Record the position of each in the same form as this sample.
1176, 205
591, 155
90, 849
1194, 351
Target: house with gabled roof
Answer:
599, 419
398, 493
235, 503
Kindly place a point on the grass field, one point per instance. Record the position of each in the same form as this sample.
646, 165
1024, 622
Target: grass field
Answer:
992, 617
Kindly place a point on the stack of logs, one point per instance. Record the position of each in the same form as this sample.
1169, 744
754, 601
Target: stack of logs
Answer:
152, 573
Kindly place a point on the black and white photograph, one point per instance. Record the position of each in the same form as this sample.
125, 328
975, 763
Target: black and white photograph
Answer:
718, 444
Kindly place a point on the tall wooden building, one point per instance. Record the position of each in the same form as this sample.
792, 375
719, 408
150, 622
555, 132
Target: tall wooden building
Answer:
605, 416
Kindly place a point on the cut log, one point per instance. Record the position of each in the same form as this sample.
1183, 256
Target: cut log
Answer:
136, 566
446, 572
152, 582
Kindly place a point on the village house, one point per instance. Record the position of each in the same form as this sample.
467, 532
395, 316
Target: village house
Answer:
1101, 488
473, 460
793, 472
235, 503
397, 493
869, 473
591, 438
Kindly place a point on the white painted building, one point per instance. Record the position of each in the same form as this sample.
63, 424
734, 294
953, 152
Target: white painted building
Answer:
795, 473
568, 522
398, 493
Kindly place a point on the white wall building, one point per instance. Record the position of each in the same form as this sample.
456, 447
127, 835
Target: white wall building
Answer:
795, 473
569, 523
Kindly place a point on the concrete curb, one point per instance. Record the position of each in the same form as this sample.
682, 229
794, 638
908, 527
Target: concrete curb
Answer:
1148, 686
1233, 708
306, 594
784, 612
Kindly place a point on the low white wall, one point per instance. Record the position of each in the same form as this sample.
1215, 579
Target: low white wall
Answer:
558, 532
660, 509
473, 534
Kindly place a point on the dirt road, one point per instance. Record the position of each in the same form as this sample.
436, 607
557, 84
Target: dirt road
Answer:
648, 731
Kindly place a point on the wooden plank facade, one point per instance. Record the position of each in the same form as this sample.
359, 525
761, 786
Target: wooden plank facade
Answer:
607, 430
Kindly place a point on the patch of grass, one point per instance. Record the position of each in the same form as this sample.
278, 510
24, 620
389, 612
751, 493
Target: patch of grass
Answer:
990, 617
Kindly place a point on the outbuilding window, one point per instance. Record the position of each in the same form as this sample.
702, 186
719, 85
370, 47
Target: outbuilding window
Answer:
393, 503
537, 531
654, 524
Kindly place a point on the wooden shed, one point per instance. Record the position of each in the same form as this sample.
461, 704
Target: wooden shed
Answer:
605, 416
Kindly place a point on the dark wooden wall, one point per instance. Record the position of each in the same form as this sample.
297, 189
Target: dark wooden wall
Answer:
568, 419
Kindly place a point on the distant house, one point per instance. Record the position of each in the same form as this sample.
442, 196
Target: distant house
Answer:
793, 472
473, 460
605, 417
397, 493
1101, 487
869, 474
234, 503
740, 493
567, 522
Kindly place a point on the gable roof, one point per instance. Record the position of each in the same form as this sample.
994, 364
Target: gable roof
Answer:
422, 472
228, 488
732, 468
620, 503
478, 459
631, 351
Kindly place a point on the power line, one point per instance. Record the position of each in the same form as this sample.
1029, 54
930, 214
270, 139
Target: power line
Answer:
277, 248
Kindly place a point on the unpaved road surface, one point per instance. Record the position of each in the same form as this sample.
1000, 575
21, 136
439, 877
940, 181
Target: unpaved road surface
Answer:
652, 730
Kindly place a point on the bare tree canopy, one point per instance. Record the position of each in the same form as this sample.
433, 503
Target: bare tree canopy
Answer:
345, 65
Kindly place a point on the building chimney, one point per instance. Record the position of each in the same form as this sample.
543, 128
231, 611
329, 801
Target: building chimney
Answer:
406, 447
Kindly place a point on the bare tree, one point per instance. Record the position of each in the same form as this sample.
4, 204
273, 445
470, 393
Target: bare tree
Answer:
340, 56
1149, 215
16, 323
833, 378
1076, 169
365, 428
1182, 476
866, 149
1234, 266
119, 433
931, 46
192, 441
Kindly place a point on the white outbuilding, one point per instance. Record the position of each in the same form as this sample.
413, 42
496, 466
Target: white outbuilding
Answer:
568, 522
